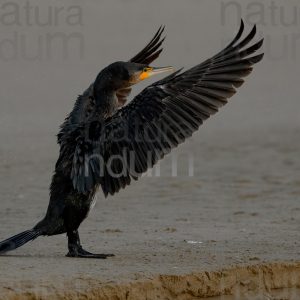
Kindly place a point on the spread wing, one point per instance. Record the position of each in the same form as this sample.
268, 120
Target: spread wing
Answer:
161, 117
146, 57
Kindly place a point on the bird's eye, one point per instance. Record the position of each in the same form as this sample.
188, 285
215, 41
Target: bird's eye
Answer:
146, 69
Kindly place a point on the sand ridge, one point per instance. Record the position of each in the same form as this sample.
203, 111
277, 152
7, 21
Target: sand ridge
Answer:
241, 282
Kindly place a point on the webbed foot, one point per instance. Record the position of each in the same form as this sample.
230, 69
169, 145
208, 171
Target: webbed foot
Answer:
76, 250
80, 252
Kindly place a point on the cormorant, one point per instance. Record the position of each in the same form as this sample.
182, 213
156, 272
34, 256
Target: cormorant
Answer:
106, 144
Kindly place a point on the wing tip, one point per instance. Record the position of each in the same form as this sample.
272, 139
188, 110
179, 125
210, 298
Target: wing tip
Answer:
150, 49
257, 58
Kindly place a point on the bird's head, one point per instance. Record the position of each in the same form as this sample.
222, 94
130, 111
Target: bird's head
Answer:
138, 72
124, 74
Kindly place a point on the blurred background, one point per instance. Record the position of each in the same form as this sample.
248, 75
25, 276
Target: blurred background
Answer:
245, 160
50, 52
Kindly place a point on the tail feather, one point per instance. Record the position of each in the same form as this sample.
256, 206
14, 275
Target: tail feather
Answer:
18, 240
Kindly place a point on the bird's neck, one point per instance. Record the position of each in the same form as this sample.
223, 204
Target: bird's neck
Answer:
105, 100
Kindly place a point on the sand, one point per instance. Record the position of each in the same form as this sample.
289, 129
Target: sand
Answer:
166, 233
276, 281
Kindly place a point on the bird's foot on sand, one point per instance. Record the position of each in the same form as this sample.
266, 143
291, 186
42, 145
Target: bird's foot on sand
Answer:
80, 252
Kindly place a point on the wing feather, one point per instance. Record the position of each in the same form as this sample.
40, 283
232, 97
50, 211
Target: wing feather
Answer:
150, 52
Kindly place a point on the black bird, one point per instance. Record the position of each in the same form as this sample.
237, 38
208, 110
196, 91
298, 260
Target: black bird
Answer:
106, 144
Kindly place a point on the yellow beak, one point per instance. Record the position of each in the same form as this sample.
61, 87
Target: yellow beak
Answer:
154, 71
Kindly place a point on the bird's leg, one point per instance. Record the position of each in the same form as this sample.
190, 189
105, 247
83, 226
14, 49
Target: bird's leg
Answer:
76, 250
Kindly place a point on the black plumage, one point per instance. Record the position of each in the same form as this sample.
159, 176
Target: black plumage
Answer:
106, 144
